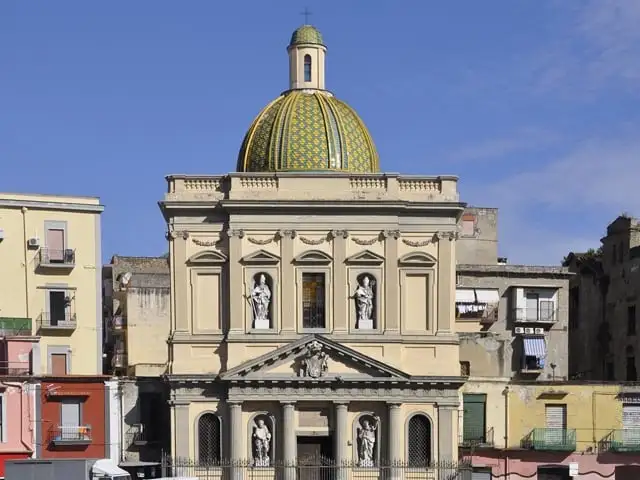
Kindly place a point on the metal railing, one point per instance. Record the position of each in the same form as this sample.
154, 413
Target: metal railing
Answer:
541, 315
551, 439
314, 469
15, 368
70, 434
476, 437
625, 440
12, 326
46, 320
50, 257
139, 435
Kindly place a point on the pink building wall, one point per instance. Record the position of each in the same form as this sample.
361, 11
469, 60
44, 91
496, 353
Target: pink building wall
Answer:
18, 421
18, 356
517, 465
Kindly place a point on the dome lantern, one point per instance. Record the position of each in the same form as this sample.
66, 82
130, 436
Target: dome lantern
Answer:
306, 58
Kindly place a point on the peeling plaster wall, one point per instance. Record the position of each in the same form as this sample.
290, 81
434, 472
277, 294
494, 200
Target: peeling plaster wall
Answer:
482, 247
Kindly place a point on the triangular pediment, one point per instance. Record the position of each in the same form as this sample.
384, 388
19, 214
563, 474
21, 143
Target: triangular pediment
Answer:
366, 257
418, 259
313, 257
314, 358
207, 257
260, 257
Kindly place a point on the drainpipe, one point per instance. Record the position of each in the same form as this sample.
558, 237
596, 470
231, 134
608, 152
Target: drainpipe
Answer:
21, 387
506, 432
26, 261
121, 421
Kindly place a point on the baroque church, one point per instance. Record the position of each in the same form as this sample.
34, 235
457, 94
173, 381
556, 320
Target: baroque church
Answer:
312, 295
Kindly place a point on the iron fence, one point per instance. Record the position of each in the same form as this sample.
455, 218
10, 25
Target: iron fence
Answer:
316, 469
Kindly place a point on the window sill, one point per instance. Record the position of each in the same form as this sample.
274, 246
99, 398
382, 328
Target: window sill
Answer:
262, 331
314, 330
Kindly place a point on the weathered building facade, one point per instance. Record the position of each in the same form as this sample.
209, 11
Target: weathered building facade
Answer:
312, 311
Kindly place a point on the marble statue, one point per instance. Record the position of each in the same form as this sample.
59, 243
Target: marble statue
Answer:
314, 364
364, 300
367, 441
261, 444
260, 299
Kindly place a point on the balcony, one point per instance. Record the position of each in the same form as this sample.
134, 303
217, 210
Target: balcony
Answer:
56, 322
627, 440
476, 438
551, 439
70, 435
57, 259
15, 327
546, 315
15, 368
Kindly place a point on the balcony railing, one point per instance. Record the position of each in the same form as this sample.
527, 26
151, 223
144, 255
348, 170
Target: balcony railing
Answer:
49, 321
534, 315
139, 435
15, 368
13, 327
626, 440
476, 437
551, 439
57, 258
70, 435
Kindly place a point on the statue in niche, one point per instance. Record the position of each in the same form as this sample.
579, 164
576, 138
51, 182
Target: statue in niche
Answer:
364, 299
261, 443
367, 437
260, 300
314, 364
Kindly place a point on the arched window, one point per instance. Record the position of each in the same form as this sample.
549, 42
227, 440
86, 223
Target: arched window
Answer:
419, 441
307, 68
209, 439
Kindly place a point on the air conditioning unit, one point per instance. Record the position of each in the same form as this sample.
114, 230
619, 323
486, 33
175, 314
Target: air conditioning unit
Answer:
528, 331
33, 242
539, 331
519, 330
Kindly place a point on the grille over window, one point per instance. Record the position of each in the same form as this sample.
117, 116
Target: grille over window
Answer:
419, 440
209, 439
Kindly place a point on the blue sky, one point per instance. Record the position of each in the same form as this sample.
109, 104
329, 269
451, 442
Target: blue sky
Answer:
535, 105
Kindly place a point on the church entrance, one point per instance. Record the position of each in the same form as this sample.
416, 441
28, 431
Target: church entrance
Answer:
315, 451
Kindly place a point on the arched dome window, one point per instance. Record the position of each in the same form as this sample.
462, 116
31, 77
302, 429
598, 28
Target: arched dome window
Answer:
307, 68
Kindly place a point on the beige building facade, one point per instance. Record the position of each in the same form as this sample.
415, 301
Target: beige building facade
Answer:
50, 252
312, 312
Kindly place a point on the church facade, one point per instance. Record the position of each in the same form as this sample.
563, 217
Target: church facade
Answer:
312, 309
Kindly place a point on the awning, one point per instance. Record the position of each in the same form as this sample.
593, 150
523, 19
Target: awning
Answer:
489, 296
535, 347
107, 467
465, 295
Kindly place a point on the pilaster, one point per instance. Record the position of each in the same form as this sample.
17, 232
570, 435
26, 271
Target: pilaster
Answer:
446, 415
181, 430
391, 281
446, 281
340, 312
181, 282
236, 283
287, 280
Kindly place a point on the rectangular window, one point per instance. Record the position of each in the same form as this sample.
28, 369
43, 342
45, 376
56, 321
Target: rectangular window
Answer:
556, 423
71, 428
55, 245
474, 418
58, 306
313, 300
631, 423
631, 320
58, 364
532, 307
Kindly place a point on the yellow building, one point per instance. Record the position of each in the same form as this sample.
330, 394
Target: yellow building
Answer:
312, 295
51, 285
551, 427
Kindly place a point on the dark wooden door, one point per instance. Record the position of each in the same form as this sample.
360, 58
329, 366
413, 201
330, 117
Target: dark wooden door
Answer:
315, 458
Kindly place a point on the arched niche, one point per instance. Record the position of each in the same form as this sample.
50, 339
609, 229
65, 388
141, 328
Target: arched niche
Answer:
367, 289
269, 421
364, 422
262, 297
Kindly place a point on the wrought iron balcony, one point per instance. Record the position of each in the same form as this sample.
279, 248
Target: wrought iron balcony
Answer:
15, 327
15, 368
70, 435
626, 440
57, 322
535, 315
551, 439
60, 259
476, 437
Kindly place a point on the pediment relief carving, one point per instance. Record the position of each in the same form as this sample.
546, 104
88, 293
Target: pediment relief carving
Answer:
207, 257
365, 257
313, 257
260, 257
316, 359
417, 259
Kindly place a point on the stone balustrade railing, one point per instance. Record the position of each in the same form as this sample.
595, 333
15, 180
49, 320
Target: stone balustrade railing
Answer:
312, 186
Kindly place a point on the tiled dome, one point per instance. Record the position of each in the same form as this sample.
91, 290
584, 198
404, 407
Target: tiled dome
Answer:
306, 34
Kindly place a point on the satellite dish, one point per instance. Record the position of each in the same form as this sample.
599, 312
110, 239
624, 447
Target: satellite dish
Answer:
125, 279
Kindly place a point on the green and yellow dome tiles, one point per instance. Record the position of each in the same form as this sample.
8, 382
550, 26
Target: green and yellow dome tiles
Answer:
308, 130
306, 34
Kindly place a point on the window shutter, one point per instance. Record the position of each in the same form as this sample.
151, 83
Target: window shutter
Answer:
556, 416
473, 420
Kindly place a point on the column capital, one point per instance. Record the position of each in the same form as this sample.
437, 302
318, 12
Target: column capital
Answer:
286, 403
339, 404
234, 403
393, 405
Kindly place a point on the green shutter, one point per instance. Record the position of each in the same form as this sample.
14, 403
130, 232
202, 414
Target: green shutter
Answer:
473, 421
